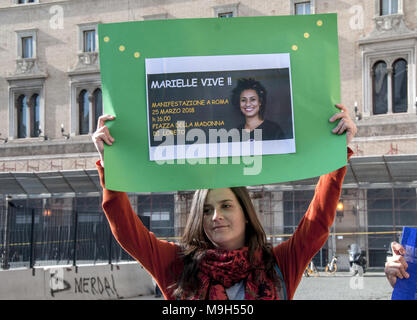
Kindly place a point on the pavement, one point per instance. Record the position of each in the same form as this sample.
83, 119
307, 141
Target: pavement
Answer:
340, 286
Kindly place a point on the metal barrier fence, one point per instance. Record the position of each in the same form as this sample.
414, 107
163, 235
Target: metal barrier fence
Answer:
32, 237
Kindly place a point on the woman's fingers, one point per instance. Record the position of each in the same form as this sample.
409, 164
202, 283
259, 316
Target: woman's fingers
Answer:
396, 267
397, 248
339, 126
102, 119
103, 134
345, 123
336, 116
398, 263
341, 107
105, 137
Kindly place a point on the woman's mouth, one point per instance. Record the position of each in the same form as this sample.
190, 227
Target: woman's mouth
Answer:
219, 228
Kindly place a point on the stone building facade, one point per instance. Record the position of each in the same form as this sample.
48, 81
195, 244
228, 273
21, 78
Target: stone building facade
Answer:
50, 98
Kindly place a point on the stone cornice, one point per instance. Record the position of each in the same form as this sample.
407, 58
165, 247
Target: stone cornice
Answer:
388, 28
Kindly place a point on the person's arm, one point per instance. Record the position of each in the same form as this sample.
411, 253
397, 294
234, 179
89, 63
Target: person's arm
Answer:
313, 230
159, 258
396, 266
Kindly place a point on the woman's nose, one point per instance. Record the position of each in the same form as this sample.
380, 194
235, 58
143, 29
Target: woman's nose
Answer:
217, 215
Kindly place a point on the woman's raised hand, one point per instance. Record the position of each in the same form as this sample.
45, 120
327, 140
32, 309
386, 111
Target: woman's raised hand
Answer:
102, 135
345, 124
396, 266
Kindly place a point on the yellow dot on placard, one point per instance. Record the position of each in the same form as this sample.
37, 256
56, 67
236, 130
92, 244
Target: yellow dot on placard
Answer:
137, 54
319, 23
122, 48
106, 39
306, 35
295, 47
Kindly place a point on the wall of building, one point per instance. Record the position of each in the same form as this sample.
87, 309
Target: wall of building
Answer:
70, 283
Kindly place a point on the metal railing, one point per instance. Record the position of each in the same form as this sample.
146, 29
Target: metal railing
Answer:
31, 237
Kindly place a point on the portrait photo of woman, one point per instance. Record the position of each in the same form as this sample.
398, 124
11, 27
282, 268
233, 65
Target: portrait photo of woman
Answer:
250, 97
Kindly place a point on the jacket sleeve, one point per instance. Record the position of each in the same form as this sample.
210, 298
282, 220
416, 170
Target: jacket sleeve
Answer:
158, 257
313, 230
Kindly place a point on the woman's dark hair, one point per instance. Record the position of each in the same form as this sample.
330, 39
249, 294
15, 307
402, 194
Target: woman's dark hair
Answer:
194, 242
250, 84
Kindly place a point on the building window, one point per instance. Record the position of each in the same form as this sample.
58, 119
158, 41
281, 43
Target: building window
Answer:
295, 205
380, 98
22, 116
26, 1
303, 8
27, 47
98, 107
156, 211
35, 116
225, 15
390, 87
89, 37
388, 7
399, 86
26, 44
28, 116
84, 108
226, 11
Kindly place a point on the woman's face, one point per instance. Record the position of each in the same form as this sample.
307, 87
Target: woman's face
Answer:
224, 222
249, 103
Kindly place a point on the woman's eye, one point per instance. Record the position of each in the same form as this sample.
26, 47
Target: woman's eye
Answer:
206, 210
227, 206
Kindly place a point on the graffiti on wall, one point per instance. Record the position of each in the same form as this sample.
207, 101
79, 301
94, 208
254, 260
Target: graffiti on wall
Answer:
101, 286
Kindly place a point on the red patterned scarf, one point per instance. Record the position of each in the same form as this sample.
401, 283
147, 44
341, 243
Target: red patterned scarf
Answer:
220, 269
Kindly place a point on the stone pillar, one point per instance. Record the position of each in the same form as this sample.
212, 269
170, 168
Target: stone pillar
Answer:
389, 86
90, 112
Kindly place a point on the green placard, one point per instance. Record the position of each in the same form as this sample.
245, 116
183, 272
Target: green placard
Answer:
310, 42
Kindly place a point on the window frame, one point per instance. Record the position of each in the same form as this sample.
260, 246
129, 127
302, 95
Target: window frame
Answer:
232, 8
22, 118
294, 2
32, 116
89, 82
373, 86
85, 105
389, 54
89, 45
82, 28
29, 93
25, 2
378, 9
95, 105
22, 34
304, 7
389, 8
393, 84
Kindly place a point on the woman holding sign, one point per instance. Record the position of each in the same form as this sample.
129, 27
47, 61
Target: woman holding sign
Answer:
223, 253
